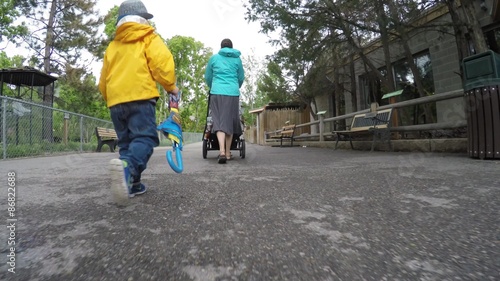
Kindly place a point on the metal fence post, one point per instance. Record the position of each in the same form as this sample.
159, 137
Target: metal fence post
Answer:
81, 133
4, 127
321, 115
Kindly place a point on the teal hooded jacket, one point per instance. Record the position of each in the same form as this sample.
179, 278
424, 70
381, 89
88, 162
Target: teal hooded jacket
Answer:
224, 74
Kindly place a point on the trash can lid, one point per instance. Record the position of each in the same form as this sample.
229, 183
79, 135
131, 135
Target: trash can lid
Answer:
481, 82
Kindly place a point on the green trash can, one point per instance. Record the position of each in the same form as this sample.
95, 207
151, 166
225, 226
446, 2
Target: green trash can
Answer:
482, 104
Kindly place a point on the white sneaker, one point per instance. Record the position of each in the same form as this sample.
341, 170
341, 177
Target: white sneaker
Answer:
120, 179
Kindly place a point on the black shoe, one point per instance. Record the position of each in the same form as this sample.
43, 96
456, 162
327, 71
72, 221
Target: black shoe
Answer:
222, 159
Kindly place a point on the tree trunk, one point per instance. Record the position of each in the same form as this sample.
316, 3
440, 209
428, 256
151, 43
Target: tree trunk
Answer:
48, 94
384, 37
474, 27
49, 39
460, 31
354, 96
416, 78
404, 41
340, 125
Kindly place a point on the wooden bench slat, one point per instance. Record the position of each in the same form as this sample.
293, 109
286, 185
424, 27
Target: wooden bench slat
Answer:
286, 132
376, 123
106, 136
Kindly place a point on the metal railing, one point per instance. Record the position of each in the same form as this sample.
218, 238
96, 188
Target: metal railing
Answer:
418, 101
29, 129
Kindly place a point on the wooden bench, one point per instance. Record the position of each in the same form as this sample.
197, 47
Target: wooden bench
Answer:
106, 136
286, 133
373, 123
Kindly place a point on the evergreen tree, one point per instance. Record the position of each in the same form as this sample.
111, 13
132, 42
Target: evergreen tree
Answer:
63, 41
63, 32
9, 31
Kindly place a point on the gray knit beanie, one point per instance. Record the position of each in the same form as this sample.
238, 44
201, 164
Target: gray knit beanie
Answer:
133, 7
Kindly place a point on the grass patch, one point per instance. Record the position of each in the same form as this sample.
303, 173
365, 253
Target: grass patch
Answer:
45, 148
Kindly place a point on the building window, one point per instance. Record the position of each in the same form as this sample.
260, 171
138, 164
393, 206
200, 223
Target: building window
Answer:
404, 80
370, 89
493, 39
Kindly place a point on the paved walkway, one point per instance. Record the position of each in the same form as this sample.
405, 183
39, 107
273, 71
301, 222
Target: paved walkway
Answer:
279, 214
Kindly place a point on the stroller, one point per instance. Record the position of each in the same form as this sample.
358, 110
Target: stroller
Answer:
210, 141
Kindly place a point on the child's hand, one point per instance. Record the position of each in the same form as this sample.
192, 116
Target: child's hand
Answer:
174, 91
173, 100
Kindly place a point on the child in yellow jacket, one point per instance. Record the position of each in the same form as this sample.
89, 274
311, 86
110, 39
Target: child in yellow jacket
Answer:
134, 61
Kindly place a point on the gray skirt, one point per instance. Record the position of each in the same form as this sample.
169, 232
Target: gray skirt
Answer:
225, 113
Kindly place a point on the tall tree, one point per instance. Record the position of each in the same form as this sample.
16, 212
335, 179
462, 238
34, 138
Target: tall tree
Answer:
9, 30
191, 58
64, 32
253, 69
63, 36
468, 32
273, 84
78, 93
251, 97
402, 15
110, 22
308, 28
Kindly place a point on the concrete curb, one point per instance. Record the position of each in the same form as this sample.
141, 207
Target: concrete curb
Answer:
420, 145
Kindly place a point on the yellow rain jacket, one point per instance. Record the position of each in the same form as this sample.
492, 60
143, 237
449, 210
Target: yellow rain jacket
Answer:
134, 61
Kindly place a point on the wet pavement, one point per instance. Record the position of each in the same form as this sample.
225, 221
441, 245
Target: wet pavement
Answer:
294, 213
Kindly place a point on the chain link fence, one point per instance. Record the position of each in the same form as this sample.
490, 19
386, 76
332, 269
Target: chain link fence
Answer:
187, 138
28, 129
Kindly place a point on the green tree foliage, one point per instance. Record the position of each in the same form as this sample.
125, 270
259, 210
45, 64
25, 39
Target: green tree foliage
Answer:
110, 24
316, 81
78, 93
191, 58
10, 62
63, 32
305, 29
274, 85
309, 30
254, 69
8, 15
64, 40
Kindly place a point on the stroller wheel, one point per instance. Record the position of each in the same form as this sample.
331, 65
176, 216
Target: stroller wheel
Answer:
242, 149
205, 144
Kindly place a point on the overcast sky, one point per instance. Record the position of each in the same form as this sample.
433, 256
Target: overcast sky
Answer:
207, 21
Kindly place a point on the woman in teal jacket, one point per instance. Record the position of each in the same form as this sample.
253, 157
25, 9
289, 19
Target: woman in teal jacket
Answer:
224, 76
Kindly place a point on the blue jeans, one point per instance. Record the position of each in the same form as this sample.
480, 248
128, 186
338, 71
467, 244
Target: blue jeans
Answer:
135, 125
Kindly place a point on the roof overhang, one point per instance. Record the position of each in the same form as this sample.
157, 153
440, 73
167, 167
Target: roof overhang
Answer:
276, 106
26, 77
